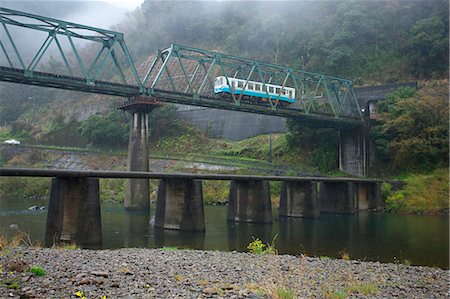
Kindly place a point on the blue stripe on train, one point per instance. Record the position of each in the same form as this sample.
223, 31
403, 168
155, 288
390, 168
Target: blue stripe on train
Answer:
258, 94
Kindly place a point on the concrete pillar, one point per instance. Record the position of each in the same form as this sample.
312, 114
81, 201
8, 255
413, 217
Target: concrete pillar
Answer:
74, 212
299, 199
249, 201
137, 191
337, 197
180, 205
353, 151
368, 196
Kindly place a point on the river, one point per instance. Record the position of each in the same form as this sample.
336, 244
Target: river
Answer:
421, 240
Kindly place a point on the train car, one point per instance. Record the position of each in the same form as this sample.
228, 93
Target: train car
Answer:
254, 89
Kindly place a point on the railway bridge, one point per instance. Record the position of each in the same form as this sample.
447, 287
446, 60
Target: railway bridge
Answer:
98, 61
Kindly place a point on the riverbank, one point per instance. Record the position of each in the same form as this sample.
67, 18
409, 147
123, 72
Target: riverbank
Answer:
159, 273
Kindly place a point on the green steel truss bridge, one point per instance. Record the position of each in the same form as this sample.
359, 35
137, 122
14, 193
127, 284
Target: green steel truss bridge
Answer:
76, 57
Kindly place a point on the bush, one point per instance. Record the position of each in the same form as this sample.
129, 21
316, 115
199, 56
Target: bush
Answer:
422, 194
258, 247
38, 271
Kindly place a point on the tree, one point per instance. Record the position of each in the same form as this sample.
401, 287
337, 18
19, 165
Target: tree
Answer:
111, 129
430, 40
320, 145
413, 131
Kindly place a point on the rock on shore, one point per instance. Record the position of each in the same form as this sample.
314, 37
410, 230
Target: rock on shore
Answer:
157, 273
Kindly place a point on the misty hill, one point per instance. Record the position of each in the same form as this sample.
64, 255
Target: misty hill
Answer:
369, 42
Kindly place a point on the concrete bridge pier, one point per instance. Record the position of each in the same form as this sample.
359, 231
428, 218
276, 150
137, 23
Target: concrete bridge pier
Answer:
137, 191
368, 196
353, 151
180, 205
299, 199
249, 201
337, 197
74, 212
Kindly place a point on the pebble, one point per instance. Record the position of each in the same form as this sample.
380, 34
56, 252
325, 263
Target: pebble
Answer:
153, 273
100, 273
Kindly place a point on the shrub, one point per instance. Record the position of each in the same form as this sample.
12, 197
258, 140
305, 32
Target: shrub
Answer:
38, 271
258, 247
422, 194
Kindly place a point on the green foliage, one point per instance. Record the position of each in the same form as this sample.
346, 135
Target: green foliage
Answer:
110, 129
164, 123
25, 186
215, 191
168, 248
285, 293
365, 289
38, 271
62, 133
258, 247
21, 130
422, 194
319, 145
351, 38
430, 40
386, 190
112, 189
413, 128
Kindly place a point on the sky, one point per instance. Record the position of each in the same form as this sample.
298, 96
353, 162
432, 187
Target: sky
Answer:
128, 4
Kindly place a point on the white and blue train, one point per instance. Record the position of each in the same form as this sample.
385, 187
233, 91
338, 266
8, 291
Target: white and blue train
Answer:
254, 89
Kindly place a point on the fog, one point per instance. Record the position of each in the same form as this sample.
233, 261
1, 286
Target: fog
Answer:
91, 13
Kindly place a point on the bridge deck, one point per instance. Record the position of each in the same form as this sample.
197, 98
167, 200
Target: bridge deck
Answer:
34, 172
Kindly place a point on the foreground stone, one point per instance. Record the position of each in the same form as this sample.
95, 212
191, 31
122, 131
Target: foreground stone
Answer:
156, 273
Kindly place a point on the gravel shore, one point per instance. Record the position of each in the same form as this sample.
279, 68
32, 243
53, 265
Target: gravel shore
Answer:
157, 273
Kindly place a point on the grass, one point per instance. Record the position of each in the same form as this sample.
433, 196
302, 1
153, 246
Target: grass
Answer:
345, 255
19, 238
168, 248
352, 288
365, 289
66, 246
275, 291
38, 271
422, 194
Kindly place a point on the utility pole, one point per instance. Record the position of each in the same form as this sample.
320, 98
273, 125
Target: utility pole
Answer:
270, 148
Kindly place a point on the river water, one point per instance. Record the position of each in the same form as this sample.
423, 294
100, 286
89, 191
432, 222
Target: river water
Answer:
422, 240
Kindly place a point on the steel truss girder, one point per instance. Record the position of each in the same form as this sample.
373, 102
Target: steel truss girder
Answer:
178, 74
110, 43
316, 93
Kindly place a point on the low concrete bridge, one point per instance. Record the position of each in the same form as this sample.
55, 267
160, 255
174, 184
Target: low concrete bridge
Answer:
74, 207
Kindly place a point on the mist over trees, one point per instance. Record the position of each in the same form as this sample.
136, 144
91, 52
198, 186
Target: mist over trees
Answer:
367, 41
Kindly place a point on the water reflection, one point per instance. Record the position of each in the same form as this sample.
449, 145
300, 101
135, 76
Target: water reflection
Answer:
298, 235
179, 239
136, 227
423, 240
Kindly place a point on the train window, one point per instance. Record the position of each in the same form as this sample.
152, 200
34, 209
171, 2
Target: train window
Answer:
251, 86
277, 90
260, 87
271, 89
240, 84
